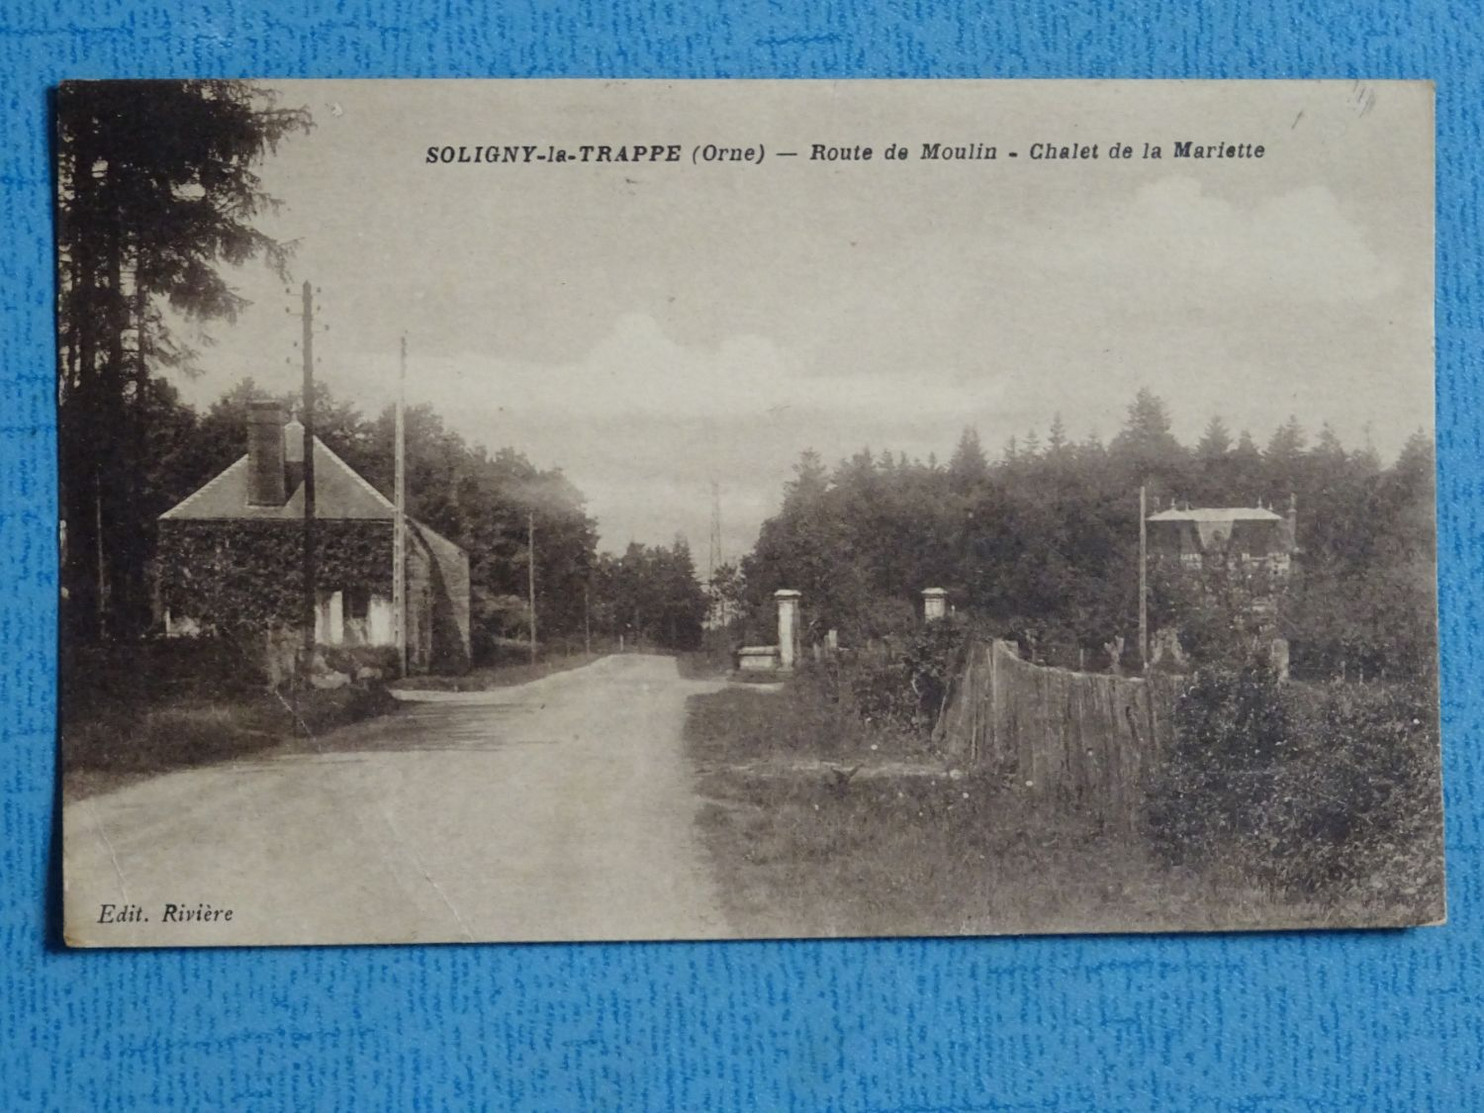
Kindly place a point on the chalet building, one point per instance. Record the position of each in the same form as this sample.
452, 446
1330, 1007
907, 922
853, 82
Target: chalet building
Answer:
1253, 537
1257, 543
231, 554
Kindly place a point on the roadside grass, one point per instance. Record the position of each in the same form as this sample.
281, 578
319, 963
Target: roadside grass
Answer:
501, 674
836, 850
818, 825
132, 713
118, 744
128, 713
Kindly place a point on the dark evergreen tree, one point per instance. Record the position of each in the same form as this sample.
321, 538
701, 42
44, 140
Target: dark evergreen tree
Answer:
1056, 438
1146, 452
1215, 441
1282, 459
156, 189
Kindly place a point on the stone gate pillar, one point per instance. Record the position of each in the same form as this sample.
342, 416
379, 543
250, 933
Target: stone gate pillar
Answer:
934, 604
788, 628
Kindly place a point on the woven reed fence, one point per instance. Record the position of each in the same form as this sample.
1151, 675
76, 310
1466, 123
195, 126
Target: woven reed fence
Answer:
1085, 740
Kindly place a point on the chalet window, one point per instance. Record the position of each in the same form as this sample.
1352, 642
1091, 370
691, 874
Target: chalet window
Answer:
357, 603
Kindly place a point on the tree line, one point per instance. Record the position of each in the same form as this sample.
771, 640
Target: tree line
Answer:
493, 505
1041, 543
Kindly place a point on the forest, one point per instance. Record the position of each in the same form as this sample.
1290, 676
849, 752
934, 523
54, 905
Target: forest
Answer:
1040, 544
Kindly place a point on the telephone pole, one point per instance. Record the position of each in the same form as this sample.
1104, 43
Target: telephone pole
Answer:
310, 589
399, 529
531, 575
1143, 582
714, 558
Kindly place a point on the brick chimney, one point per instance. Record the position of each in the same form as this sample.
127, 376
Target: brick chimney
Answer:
265, 476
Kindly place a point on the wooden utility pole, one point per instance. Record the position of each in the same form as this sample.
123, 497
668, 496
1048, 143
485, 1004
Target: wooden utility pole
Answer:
531, 575
1143, 582
310, 589
399, 520
587, 627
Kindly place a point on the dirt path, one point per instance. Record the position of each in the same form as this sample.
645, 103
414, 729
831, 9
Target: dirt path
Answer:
558, 810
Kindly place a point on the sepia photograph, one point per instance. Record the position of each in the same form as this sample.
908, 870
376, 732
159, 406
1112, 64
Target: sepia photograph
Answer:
578, 510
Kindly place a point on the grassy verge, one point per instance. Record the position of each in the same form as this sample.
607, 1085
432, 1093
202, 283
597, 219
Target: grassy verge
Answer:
113, 743
818, 825
501, 675
880, 841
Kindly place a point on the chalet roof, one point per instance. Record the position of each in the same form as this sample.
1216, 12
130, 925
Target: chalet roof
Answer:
340, 493
1215, 515
1216, 527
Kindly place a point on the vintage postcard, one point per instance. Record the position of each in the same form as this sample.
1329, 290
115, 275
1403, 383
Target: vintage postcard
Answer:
587, 510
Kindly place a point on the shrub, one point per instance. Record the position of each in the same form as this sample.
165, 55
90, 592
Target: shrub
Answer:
910, 690
1215, 782
1328, 791
1360, 809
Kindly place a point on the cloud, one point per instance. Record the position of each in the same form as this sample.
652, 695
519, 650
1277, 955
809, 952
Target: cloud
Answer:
645, 380
1196, 248
642, 422
638, 372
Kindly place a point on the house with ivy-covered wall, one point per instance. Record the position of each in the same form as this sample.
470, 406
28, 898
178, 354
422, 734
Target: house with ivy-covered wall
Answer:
230, 556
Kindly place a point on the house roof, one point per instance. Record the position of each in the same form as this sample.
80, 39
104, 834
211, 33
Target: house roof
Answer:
340, 493
1215, 515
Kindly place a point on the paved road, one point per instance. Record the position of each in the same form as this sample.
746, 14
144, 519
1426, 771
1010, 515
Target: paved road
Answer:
558, 810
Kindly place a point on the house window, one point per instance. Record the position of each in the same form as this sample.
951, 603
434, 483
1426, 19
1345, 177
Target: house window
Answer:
357, 603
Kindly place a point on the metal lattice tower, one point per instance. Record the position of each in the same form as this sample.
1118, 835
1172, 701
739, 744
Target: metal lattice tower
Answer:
715, 559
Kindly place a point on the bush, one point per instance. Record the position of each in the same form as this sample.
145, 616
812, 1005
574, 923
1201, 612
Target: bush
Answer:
883, 694
910, 690
1215, 784
1330, 791
1360, 811
119, 677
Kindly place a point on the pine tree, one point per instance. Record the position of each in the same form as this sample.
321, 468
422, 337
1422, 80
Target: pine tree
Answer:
1282, 458
968, 466
1056, 440
1145, 450
1215, 441
1246, 472
809, 483
155, 190
1287, 443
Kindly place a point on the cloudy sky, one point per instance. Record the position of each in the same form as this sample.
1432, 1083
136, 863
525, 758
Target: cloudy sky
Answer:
652, 327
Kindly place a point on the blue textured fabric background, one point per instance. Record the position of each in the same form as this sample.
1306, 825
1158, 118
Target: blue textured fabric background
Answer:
1271, 1021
